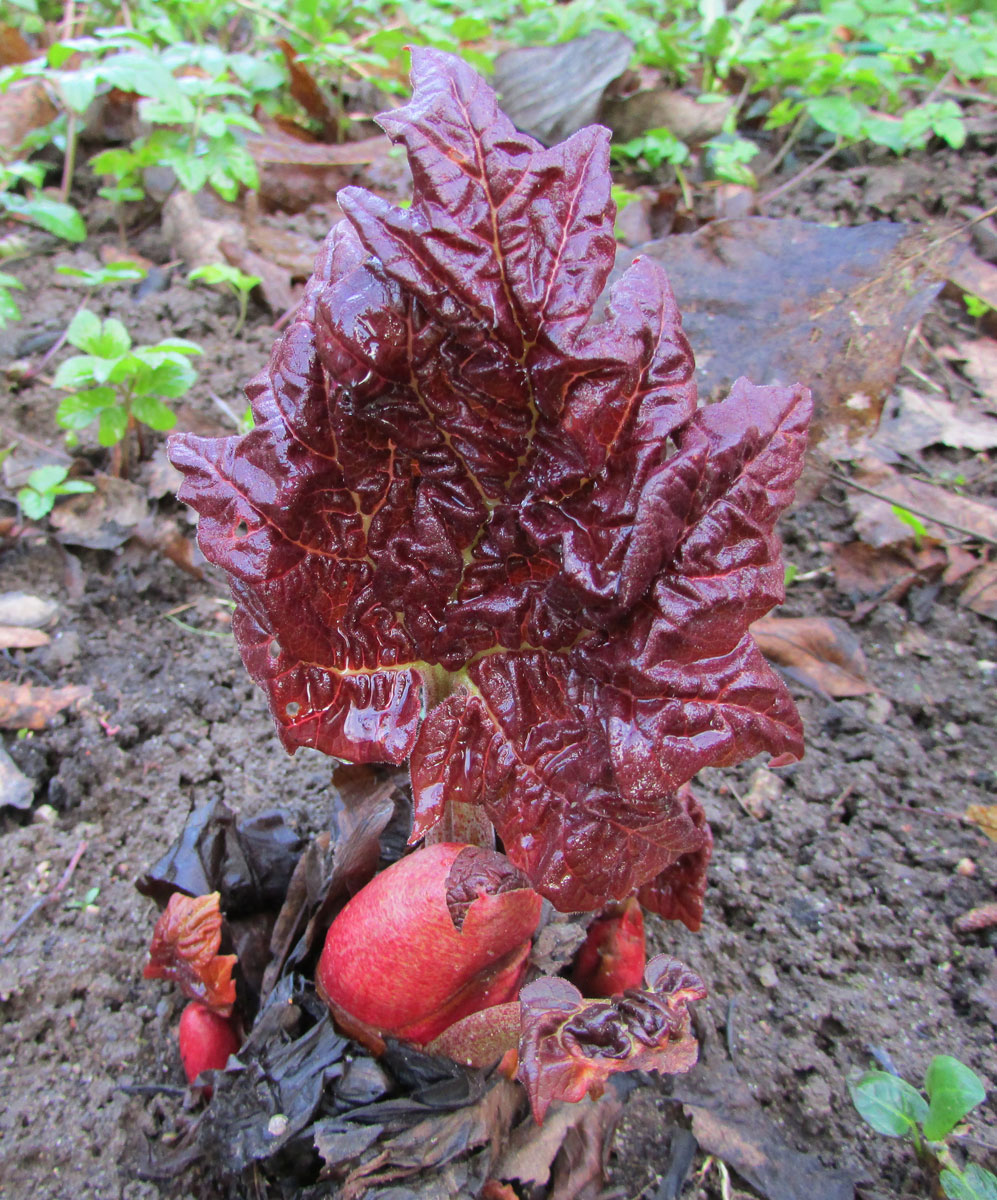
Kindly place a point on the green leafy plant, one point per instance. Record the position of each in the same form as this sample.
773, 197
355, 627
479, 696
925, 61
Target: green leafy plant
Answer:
886, 72
893, 1107
44, 486
238, 282
653, 148
117, 384
9, 310
197, 99
105, 276
728, 156
51, 215
198, 135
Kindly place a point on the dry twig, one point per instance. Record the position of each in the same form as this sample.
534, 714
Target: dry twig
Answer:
40, 903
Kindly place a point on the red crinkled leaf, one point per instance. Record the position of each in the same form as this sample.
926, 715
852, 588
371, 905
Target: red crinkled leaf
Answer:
570, 1046
677, 893
473, 529
184, 949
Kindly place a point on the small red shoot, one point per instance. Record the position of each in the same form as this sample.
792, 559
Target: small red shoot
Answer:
612, 957
206, 1040
184, 949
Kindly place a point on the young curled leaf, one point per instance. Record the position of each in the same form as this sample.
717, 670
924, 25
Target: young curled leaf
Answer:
677, 893
184, 949
570, 1046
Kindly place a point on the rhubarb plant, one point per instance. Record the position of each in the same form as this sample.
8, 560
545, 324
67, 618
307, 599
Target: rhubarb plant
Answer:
482, 529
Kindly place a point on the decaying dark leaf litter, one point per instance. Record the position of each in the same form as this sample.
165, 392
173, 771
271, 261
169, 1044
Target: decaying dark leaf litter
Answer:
812, 966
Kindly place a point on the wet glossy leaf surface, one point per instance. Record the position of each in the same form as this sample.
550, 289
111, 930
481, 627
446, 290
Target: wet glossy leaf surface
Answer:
456, 534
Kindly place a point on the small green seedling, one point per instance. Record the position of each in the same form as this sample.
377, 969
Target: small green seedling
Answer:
108, 275
89, 900
238, 281
115, 383
893, 1107
8, 305
728, 156
976, 306
912, 521
43, 487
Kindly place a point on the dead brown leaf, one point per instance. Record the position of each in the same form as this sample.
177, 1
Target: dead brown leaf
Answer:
308, 94
295, 174
195, 226
20, 637
493, 1190
295, 252
25, 608
275, 281
877, 523
728, 1122
552, 91
871, 575
103, 519
640, 101
164, 535
436, 1141
23, 107
980, 593
530, 1152
912, 421
962, 562
25, 706
860, 570
821, 652
985, 816
13, 47
979, 358
580, 1167
782, 300
975, 275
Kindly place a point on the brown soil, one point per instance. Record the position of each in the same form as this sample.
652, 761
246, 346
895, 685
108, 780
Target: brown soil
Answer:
829, 928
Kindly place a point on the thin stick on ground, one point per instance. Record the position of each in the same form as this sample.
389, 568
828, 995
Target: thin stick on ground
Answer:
42, 901
918, 512
799, 177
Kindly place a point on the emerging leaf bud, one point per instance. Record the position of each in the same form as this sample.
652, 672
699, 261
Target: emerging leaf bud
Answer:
612, 956
206, 1040
440, 934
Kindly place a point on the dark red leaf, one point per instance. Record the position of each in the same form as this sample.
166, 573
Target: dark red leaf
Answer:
474, 529
677, 893
570, 1046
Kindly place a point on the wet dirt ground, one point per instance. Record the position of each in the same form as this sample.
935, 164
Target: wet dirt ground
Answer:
828, 936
